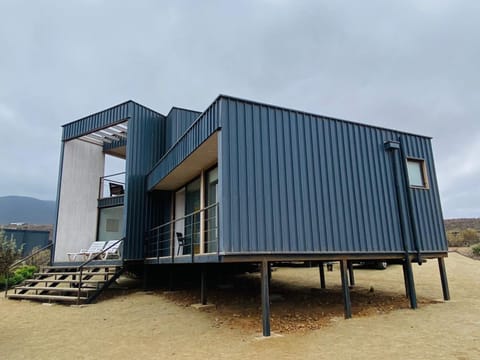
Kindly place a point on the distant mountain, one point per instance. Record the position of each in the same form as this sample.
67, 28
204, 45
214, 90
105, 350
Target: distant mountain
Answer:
22, 209
462, 224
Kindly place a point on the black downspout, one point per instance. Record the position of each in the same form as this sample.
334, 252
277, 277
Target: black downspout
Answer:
411, 213
393, 146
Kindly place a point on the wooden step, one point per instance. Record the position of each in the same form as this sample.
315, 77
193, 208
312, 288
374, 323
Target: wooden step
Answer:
85, 273
67, 268
46, 297
30, 281
53, 289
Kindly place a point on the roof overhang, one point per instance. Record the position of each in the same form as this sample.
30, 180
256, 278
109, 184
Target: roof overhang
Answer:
112, 138
203, 157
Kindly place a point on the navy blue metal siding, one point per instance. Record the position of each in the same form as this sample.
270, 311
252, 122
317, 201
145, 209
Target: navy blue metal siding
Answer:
110, 201
145, 144
30, 239
300, 183
100, 120
198, 132
178, 120
114, 144
426, 203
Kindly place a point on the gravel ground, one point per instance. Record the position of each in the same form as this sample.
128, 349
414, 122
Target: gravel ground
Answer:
308, 321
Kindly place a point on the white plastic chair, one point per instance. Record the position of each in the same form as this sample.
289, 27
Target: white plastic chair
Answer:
113, 249
95, 248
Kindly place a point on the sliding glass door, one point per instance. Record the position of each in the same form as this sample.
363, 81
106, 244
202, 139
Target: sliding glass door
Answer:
211, 217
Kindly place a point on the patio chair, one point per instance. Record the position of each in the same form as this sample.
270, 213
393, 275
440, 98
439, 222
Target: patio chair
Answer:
112, 249
181, 243
95, 248
116, 189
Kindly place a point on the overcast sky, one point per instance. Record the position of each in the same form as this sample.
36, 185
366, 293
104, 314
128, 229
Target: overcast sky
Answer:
409, 65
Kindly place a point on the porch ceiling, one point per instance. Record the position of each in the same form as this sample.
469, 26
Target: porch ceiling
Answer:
203, 157
110, 136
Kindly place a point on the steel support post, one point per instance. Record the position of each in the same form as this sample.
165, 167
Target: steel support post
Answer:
265, 299
203, 285
410, 283
405, 279
346, 291
443, 277
351, 275
322, 275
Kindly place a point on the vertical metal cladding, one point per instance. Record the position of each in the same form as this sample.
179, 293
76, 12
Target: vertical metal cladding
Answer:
145, 144
29, 239
178, 121
427, 211
198, 132
96, 121
300, 183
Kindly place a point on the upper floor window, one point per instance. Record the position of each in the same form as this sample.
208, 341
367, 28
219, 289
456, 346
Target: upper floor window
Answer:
417, 173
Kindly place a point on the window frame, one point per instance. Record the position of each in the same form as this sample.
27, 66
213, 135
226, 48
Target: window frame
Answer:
423, 172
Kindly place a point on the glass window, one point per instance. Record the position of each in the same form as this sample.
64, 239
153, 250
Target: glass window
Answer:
211, 220
110, 223
416, 173
192, 222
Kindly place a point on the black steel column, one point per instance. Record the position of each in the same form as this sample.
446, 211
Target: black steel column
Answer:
405, 279
351, 274
322, 275
269, 273
443, 277
410, 283
346, 290
203, 285
171, 278
265, 299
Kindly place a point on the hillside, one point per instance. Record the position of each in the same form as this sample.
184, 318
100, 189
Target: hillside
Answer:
462, 224
22, 209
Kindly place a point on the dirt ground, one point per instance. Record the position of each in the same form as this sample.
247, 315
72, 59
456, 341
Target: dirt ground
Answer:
308, 321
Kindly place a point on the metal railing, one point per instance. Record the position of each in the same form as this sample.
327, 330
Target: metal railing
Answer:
37, 258
82, 266
190, 235
111, 185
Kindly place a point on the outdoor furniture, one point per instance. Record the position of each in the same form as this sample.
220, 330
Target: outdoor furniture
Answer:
112, 249
116, 189
95, 248
181, 242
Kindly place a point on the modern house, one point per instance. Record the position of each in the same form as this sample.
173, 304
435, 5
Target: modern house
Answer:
249, 182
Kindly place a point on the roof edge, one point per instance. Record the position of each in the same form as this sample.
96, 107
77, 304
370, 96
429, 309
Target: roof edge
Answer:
223, 96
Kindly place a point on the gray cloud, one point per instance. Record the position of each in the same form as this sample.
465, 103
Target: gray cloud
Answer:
410, 65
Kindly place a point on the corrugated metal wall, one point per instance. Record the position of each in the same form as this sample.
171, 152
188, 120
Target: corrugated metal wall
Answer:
178, 120
145, 144
293, 182
199, 131
100, 120
427, 210
30, 239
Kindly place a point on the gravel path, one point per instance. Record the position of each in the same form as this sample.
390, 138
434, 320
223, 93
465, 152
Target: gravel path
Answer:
156, 325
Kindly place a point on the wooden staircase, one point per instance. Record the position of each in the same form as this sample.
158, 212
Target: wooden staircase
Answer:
67, 284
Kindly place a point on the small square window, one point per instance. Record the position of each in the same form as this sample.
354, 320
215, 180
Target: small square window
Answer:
417, 174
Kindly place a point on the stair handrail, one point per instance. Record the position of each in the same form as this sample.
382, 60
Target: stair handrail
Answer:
25, 258
85, 263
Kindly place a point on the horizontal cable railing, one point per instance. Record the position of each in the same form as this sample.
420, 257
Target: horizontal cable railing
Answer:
190, 235
112, 185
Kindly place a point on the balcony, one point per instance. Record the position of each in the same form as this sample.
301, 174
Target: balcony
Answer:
111, 190
186, 239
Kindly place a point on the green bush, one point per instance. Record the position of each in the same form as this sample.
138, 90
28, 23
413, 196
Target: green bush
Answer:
476, 249
8, 253
18, 275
